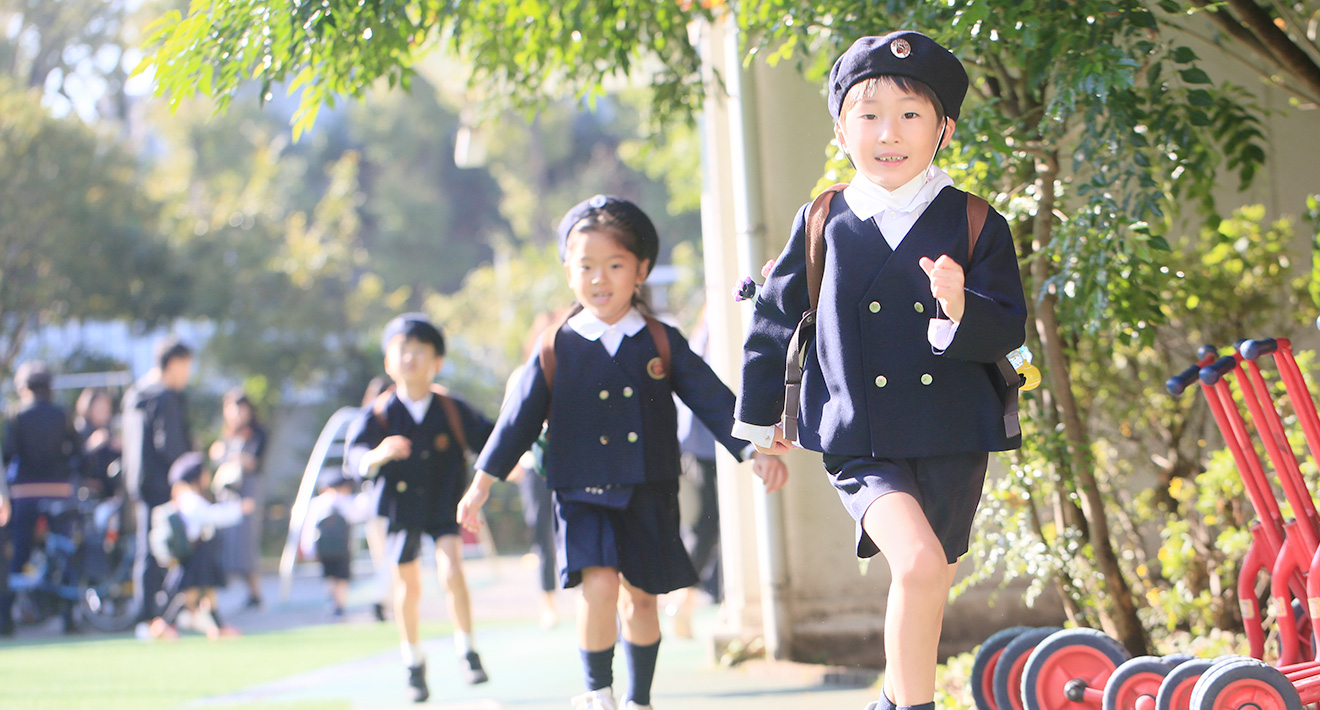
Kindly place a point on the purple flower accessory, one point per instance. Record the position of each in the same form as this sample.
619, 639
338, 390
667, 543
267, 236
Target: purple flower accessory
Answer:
745, 290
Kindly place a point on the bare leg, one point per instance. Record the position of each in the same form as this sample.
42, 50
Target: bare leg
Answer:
918, 592
407, 599
597, 608
449, 564
640, 614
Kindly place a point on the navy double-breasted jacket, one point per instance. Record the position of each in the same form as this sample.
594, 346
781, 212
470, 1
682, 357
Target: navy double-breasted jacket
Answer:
611, 419
423, 490
873, 385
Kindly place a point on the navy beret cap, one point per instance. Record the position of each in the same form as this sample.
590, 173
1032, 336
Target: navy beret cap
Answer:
903, 53
187, 468
416, 326
632, 217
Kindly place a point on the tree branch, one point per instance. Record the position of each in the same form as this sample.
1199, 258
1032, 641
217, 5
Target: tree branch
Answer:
1291, 57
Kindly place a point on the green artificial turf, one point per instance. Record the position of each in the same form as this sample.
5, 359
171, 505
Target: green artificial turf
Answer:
126, 673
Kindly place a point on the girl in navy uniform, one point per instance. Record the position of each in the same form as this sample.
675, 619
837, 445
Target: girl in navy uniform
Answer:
900, 391
412, 439
604, 386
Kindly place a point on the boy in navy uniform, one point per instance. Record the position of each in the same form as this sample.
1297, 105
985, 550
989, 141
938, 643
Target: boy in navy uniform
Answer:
900, 391
413, 439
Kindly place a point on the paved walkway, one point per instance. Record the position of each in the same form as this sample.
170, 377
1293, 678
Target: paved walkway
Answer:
531, 668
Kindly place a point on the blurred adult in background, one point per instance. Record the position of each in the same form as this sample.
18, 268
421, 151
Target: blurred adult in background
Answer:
156, 433
93, 420
7, 620
237, 457
41, 454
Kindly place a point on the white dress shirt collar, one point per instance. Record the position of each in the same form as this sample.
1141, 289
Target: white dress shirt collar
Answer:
867, 199
611, 336
416, 408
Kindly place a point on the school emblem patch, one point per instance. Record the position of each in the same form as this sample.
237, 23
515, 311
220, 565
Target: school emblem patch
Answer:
656, 368
900, 48
441, 442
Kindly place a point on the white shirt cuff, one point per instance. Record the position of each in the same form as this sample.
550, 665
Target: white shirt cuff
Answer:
762, 436
940, 333
747, 453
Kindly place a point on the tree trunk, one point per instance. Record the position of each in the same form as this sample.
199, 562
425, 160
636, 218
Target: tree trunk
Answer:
1117, 611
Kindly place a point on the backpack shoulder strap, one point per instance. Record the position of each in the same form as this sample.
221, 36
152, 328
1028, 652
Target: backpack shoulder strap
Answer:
817, 215
661, 338
977, 210
548, 347
452, 415
378, 408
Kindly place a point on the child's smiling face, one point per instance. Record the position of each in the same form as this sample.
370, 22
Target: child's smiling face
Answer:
602, 273
891, 135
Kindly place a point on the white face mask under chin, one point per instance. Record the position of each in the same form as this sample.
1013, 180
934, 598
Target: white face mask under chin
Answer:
901, 196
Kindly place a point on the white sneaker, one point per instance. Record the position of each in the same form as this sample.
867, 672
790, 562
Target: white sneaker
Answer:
602, 699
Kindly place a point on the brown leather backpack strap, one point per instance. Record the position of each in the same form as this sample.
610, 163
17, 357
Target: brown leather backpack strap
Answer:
817, 215
378, 408
452, 416
661, 338
977, 210
548, 347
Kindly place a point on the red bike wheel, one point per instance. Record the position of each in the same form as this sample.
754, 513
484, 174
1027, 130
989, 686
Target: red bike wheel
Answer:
1008, 672
1176, 691
1244, 684
1134, 684
985, 663
1066, 665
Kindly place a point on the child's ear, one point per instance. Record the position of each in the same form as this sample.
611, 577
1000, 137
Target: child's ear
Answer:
950, 124
643, 270
838, 135
439, 364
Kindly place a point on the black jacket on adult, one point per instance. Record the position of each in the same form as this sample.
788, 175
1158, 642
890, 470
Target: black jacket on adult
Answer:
155, 434
40, 445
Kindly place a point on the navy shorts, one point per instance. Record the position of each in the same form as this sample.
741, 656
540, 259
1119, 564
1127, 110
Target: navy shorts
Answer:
948, 488
642, 541
404, 546
337, 568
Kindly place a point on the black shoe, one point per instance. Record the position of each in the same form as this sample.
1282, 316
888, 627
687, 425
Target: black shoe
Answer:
470, 667
253, 603
379, 609
417, 681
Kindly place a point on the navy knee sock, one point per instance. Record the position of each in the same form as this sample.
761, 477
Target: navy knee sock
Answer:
641, 670
924, 706
599, 667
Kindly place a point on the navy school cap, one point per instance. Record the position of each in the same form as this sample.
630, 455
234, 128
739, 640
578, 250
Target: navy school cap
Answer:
187, 468
415, 326
903, 53
630, 215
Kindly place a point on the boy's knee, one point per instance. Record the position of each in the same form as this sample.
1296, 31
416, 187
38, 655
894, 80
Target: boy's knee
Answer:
922, 567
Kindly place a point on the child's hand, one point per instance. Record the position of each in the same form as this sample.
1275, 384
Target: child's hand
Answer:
772, 471
779, 445
394, 448
946, 285
248, 506
469, 508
